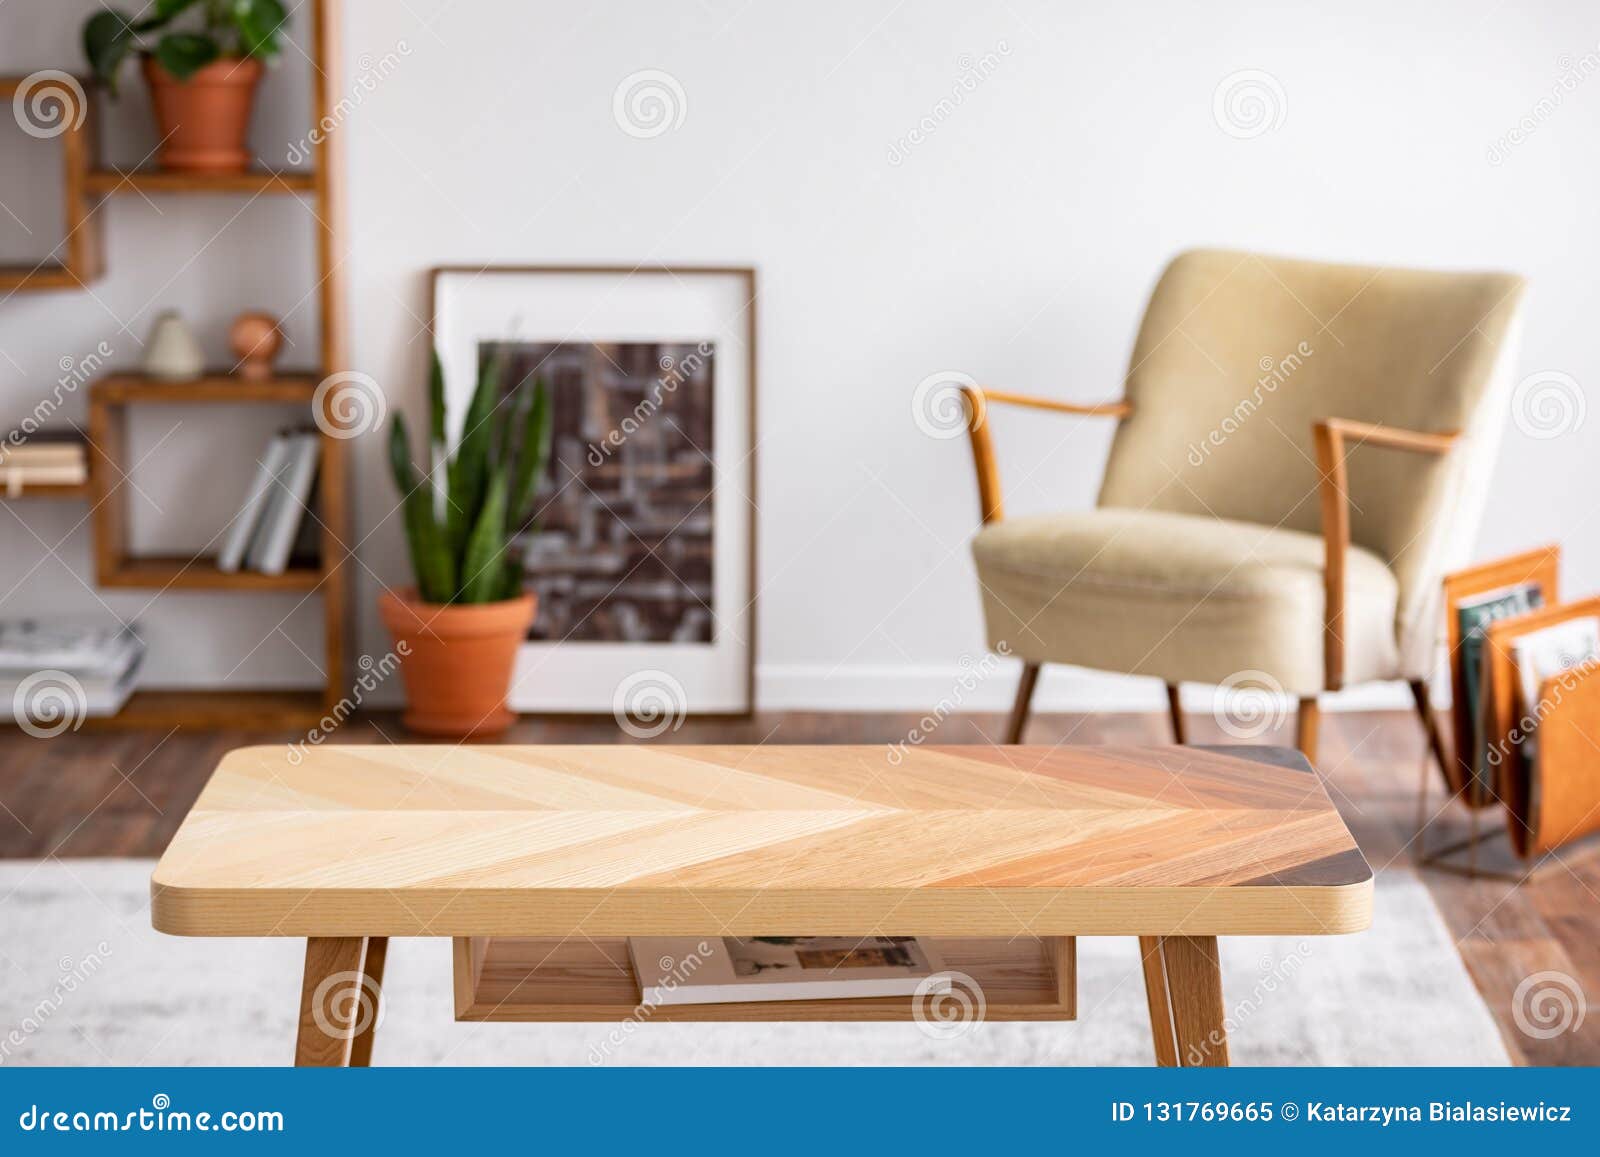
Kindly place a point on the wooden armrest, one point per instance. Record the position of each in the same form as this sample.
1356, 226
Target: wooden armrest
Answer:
1393, 437
983, 460
1097, 409
1331, 436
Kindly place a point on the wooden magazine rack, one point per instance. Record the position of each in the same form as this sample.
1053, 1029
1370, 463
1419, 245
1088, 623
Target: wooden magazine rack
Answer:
1540, 566
1554, 798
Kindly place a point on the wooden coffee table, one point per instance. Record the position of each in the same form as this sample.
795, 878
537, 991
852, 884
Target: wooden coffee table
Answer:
540, 861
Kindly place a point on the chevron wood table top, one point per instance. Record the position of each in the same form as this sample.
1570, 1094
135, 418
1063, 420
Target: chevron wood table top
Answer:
664, 840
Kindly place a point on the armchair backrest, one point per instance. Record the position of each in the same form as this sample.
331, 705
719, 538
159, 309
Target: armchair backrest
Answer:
1238, 354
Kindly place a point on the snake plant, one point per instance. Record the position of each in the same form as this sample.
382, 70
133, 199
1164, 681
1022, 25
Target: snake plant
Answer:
490, 482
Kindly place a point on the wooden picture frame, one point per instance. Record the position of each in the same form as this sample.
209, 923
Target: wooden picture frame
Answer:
551, 313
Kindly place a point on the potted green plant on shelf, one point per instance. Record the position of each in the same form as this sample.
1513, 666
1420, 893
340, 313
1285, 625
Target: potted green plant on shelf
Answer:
468, 613
202, 75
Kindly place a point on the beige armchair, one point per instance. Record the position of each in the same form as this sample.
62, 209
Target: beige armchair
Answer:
1303, 450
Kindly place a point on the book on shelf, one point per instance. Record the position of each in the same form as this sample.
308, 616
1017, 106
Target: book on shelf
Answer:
47, 458
46, 448
286, 508
32, 644
726, 970
57, 457
244, 523
17, 479
97, 696
96, 664
263, 534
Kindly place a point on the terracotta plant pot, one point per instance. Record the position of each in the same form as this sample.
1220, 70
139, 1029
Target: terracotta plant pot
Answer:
204, 120
458, 663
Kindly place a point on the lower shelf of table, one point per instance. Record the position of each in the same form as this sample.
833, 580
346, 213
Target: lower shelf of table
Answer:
514, 979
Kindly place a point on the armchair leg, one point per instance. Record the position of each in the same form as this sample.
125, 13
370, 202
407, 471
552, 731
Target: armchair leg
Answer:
1175, 707
1305, 728
1019, 709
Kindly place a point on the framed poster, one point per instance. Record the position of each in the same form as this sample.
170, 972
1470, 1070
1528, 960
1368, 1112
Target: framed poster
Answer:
641, 548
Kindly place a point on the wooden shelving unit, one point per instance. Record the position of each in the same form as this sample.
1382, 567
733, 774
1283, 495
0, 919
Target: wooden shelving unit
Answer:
218, 386
238, 710
81, 262
200, 573
110, 182
29, 278
115, 566
111, 397
49, 490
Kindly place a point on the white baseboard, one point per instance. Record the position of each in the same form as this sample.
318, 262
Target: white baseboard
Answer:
989, 685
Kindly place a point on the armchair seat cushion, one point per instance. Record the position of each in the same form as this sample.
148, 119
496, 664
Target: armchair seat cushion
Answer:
1182, 597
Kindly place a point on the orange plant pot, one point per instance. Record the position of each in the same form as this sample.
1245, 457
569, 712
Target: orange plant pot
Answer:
204, 120
457, 662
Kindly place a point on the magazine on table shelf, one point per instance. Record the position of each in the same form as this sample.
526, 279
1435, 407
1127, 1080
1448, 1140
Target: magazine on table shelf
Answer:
724, 970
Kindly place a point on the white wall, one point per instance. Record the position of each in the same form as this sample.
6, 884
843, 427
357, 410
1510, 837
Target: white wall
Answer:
1016, 243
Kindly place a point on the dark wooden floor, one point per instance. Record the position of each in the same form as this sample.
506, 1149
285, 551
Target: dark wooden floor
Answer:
110, 794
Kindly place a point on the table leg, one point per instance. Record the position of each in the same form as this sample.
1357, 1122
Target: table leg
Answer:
339, 1000
1183, 987
1155, 995
361, 1047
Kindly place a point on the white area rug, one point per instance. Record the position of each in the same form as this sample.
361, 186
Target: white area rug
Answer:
1395, 995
